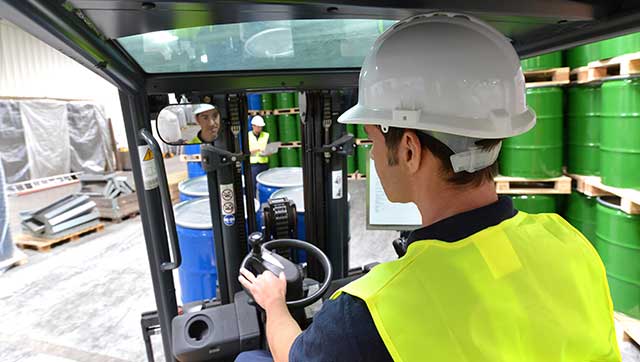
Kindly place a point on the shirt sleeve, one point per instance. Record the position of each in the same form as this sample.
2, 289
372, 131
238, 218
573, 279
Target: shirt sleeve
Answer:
343, 330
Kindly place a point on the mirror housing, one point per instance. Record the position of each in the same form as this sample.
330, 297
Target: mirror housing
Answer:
185, 124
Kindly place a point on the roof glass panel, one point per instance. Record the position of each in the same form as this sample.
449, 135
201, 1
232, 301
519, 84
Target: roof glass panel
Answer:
263, 45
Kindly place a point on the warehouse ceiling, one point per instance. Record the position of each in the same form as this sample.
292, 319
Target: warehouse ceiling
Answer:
535, 26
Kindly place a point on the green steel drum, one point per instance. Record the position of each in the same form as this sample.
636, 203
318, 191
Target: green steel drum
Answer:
298, 128
583, 128
361, 133
284, 101
618, 243
352, 166
289, 156
288, 128
267, 101
545, 61
581, 213
620, 133
271, 127
296, 100
583, 54
362, 157
620, 45
538, 152
535, 204
274, 160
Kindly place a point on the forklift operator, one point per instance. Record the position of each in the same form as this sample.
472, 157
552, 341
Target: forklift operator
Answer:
479, 281
208, 118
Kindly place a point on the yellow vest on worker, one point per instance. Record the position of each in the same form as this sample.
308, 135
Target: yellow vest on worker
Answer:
531, 288
260, 143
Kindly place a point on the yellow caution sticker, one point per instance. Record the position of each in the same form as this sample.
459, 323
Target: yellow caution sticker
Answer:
148, 156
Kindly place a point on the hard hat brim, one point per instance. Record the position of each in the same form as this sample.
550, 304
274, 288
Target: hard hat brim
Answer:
520, 123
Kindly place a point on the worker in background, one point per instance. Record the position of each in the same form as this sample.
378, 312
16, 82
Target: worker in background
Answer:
208, 118
258, 141
480, 281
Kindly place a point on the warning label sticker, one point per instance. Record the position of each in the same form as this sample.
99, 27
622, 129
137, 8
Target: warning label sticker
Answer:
149, 172
336, 184
227, 199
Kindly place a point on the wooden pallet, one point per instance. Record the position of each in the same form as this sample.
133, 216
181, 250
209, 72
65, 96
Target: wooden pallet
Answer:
296, 144
630, 326
173, 179
275, 112
522, 186
120, 217
593, 186
360, 141
356, 176
43, 244
547, 77
623, 65
190, 158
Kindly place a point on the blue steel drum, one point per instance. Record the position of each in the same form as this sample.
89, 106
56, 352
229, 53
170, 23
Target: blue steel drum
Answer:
194, 169
193, 188
198, 274
274, 179
259, 214
254, 101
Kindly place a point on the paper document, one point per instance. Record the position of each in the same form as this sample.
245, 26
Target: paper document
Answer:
271, 149
384, 213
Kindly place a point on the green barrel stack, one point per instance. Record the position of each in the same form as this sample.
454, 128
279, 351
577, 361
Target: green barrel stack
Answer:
583, 128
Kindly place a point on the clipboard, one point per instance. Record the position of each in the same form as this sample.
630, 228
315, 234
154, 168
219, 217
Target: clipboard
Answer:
271, 149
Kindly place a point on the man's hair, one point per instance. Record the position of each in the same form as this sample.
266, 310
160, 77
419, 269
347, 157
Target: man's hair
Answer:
443, 153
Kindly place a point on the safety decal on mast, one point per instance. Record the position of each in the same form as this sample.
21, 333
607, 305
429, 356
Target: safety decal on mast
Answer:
228, 204
148, 166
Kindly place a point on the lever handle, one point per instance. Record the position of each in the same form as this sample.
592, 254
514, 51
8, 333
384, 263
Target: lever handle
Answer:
165, 197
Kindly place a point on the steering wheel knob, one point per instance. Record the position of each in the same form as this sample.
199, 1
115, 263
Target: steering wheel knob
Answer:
255, 240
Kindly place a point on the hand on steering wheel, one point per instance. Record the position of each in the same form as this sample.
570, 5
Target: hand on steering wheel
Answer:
263, 258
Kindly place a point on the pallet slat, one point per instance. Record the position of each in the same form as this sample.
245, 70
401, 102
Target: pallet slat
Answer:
44, 244
593, 186
630, 326
547, 77
275, 112
521, 186
623, 65
190, 158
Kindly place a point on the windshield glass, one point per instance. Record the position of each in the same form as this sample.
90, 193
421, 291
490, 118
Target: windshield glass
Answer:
290, 44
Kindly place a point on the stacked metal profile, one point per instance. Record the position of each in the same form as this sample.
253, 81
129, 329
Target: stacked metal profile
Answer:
62, 217
114, 197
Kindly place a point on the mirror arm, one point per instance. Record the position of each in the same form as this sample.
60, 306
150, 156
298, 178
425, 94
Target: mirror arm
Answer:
214, 158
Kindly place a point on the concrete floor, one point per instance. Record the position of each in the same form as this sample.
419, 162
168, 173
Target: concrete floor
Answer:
82, 301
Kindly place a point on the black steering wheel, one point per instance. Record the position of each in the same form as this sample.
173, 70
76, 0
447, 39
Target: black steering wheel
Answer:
263, 257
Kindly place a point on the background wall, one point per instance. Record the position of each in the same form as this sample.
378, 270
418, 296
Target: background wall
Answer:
30, 68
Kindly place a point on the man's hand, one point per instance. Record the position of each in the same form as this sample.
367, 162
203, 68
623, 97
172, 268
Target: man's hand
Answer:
267, 290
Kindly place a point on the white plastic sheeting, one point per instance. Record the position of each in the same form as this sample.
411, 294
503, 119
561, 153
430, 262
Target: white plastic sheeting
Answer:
30, 68
90, 138
41, 138
46, 134
13, 150
7, 249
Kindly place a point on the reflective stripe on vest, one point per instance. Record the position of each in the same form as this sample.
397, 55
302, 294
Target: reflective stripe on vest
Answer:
529, 289
260, 143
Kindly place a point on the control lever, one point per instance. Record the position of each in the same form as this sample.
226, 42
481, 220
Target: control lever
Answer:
214, 158
342, 146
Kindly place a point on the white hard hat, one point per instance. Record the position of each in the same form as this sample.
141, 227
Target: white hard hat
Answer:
444, 73
202, 107
257, 121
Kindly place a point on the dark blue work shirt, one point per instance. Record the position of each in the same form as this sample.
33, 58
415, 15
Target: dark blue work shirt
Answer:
343, 330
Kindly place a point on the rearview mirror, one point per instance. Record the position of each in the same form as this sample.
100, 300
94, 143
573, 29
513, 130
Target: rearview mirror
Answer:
184, 124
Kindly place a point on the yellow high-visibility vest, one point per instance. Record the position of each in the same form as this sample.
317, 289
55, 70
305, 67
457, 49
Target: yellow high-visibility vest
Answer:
260, 143
531, 288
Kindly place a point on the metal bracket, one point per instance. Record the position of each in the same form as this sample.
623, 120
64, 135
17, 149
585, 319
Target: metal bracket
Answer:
214, 158
342, 146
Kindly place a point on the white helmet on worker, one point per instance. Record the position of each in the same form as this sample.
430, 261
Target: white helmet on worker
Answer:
257, 121
449, 75
202, 107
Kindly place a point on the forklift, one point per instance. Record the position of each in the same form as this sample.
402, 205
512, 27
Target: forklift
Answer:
105, 36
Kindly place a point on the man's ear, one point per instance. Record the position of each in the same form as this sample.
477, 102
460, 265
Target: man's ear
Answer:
412, 151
